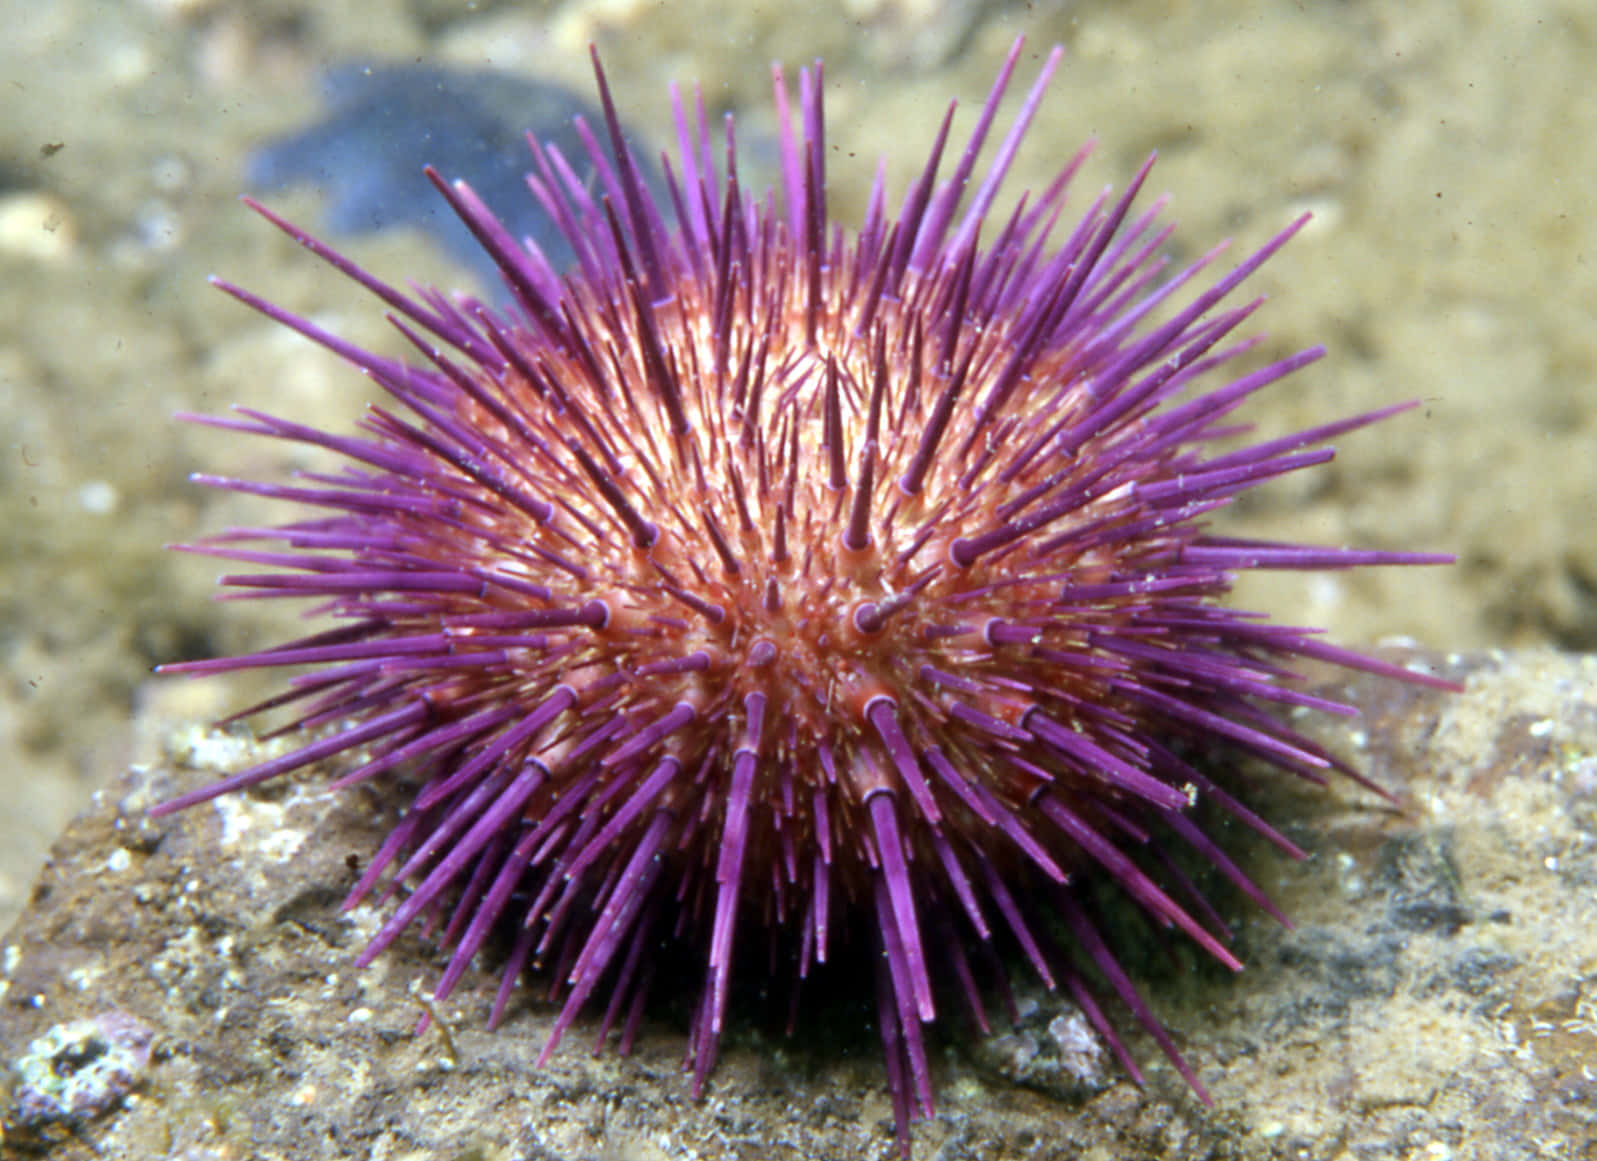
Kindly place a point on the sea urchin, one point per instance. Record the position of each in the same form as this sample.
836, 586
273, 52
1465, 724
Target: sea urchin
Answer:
756, 580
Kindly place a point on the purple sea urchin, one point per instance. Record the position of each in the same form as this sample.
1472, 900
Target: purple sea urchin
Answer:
759, 580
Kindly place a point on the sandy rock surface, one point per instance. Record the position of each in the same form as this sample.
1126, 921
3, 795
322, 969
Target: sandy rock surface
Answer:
1437, 997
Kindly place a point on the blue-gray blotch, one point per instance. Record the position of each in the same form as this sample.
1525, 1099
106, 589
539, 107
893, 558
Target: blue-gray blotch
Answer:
384, 122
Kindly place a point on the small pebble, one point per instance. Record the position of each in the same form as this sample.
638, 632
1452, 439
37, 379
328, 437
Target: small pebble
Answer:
37, 226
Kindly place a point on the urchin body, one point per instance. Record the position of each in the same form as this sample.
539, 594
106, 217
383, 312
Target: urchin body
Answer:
756, 577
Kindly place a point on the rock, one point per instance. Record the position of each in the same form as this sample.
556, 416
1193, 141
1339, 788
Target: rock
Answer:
1437, 998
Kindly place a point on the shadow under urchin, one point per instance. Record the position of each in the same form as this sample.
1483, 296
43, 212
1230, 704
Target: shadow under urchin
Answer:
756, 580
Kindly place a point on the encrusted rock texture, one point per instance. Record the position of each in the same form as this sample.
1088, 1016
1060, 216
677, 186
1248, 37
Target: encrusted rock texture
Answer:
1436, 998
